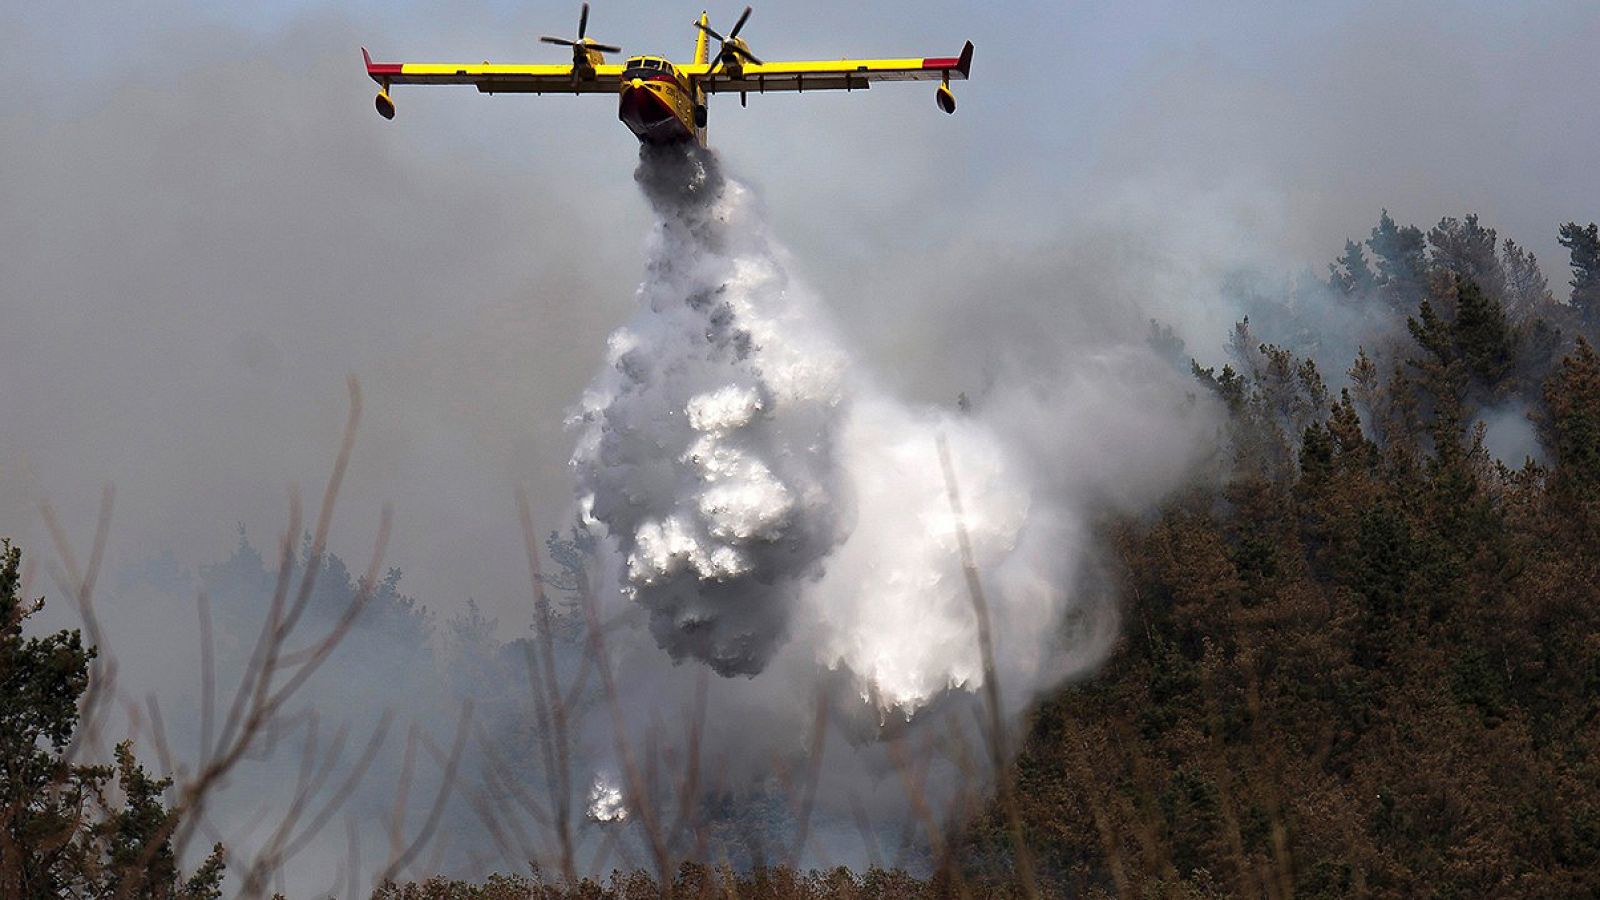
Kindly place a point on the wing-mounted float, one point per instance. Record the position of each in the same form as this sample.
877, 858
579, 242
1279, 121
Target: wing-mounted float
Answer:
661, 101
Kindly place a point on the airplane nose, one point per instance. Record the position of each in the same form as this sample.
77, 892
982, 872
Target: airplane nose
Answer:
638, 82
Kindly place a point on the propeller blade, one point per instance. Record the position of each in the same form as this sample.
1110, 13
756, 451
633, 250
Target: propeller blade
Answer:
743, 17
707, 30
555, 40
605, 48
583, 21
751, 56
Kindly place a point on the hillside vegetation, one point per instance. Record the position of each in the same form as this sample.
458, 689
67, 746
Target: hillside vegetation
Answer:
1359, 655
1365, 659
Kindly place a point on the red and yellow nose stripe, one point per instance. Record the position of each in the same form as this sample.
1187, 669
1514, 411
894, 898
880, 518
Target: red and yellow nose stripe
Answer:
656, 109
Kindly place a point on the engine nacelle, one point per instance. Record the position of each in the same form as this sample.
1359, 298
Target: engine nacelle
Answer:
384, 104
946, 98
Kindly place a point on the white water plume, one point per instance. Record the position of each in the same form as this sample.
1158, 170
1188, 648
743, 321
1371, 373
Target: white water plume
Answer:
758, 489
706, 444
605, 801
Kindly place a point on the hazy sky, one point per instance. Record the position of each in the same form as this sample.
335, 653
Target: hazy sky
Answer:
204, 226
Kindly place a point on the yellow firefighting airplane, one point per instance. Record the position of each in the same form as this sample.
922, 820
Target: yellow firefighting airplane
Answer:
663, 102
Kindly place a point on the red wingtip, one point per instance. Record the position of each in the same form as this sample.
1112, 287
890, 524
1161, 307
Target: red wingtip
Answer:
379, 72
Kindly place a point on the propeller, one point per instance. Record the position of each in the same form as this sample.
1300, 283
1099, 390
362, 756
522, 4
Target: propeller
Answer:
731, 45
583, 42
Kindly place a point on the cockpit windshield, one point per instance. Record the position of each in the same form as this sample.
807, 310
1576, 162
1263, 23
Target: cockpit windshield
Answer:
645, 67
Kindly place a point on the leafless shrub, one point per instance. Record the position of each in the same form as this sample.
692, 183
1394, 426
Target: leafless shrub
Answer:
524, 830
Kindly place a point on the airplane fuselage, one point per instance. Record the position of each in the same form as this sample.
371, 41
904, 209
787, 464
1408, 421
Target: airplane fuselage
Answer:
658, 103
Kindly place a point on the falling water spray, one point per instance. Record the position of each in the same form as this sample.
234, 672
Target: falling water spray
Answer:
757, 489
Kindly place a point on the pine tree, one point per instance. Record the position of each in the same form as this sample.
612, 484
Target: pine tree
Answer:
1401, 262
60, 836
1350, 274
1584, 245
1165, 343
1488, 343
1527, 290
1363, 374
1572, 429
1468, 250
39, 794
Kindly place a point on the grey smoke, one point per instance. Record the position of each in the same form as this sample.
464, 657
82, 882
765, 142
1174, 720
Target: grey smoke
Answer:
205, 227
1510, 437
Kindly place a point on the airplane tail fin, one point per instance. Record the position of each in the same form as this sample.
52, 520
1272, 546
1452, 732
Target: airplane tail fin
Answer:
701, 49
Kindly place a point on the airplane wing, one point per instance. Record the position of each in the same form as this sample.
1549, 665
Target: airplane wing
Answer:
829, 75
498, 78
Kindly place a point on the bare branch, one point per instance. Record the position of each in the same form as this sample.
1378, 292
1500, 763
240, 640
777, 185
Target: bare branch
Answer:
208, 677
548, 700
991, 682
80, 584
403, 859
819, 736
